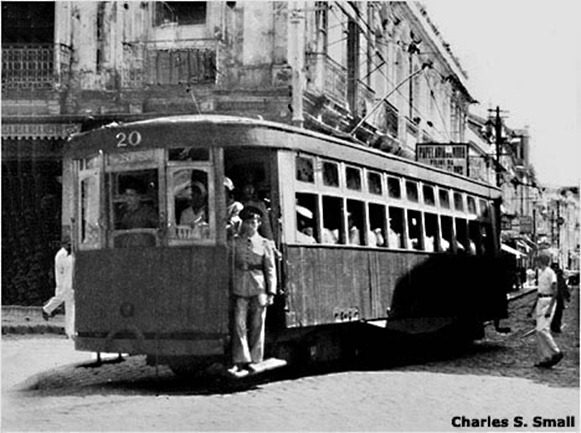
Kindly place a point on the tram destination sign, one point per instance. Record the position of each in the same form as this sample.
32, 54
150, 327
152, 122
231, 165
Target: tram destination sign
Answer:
446, 156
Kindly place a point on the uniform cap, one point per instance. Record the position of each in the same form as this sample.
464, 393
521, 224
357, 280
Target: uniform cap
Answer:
250, 212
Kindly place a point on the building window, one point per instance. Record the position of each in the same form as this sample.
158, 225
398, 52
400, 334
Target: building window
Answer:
182, 13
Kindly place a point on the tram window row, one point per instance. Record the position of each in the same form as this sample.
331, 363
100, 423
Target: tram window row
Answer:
386, 211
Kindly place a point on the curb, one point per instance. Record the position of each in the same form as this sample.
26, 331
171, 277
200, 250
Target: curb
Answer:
33, 329
21, 320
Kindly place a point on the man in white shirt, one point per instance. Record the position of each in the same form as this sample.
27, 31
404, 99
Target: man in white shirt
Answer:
63, 273
547, 350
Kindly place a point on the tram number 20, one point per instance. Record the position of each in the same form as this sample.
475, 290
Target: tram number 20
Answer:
132, 139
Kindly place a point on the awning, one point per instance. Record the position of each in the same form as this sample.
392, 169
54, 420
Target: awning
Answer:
511, 250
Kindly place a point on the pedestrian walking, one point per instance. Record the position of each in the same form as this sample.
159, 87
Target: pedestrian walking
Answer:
63, 271
547, 350
563, 296
254, 286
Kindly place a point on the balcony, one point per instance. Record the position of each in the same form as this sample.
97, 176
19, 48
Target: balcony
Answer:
35, 66
147, 64
332, 75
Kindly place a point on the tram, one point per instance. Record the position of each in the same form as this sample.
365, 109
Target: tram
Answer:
367, 239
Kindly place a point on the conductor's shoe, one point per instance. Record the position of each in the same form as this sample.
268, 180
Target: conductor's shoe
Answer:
45, 315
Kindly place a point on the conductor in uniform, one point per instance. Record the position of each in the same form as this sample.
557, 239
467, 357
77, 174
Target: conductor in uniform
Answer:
254, 287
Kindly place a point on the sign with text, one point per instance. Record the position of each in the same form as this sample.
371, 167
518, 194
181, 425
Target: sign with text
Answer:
451, 157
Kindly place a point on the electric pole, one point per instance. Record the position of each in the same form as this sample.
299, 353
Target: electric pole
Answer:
498, 140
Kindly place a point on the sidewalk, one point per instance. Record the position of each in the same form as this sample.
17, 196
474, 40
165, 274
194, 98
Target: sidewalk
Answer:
28, 320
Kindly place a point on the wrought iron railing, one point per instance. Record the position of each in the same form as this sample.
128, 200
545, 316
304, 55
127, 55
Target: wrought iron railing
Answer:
34, 66
147, 64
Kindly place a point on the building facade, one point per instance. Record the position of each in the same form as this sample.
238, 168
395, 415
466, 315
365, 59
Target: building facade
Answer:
376, 73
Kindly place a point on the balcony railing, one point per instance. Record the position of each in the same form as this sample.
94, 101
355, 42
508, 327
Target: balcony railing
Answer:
149, 65
34, 66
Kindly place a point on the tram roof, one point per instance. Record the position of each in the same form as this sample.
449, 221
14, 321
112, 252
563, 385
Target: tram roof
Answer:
175, 124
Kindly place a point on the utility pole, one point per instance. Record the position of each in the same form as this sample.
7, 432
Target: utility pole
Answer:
498, 141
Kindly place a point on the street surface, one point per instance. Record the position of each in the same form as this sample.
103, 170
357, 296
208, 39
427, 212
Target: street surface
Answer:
47, 386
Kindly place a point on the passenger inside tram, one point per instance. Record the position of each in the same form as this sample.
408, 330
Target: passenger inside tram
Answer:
136, 213
193, 221
305, 220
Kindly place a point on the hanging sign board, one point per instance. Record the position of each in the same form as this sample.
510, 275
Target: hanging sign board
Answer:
447, 156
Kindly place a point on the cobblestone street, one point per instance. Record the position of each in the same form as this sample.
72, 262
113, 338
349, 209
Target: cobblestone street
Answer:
47, 386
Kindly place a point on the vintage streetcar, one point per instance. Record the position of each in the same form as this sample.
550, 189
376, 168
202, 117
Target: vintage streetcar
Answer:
368, 241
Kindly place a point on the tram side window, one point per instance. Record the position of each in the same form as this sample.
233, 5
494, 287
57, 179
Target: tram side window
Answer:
444, 196
471, 205
458, 201
353, 176
135, 206
484, 210
486, 239
393, 187
415, 230
305, 171
374, 183
90, 233
330, 174
332, 220
307, 219
355, 222
474, 237
432, 232
447, 225
462, 242
411, 189
396, 229
190, 199
429, 197
376, 236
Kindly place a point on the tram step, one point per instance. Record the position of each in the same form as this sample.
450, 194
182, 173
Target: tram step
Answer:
261, 367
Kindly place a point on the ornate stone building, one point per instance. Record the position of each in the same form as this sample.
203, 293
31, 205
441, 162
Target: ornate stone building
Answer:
377, 73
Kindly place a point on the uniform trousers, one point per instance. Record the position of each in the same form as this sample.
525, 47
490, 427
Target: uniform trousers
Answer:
546, 346
66, 296
249, 320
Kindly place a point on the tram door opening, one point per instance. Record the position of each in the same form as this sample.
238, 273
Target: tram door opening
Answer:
254, 176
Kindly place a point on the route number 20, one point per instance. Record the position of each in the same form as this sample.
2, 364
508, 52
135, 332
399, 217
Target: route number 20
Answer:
124, 139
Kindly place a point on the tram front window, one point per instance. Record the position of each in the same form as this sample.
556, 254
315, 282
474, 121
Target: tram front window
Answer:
135, 207
190, 211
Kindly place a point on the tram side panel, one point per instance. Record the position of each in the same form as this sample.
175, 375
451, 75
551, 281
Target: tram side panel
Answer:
415, 292
157, 301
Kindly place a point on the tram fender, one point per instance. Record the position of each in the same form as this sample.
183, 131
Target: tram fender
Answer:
139, 337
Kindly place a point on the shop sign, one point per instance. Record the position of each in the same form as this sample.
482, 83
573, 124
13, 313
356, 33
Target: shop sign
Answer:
39, 130
451, 157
